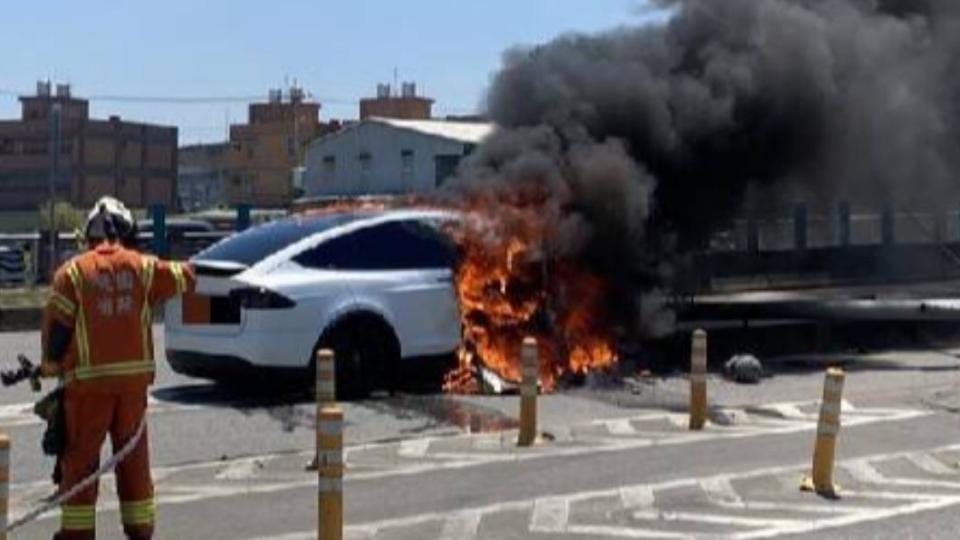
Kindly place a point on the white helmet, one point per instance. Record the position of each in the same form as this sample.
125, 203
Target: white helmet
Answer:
109, 219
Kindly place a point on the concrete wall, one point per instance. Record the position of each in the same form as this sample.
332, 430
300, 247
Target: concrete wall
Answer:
368, 159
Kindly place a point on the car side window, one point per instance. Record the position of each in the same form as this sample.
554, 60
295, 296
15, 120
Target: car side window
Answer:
403, 245
334, 254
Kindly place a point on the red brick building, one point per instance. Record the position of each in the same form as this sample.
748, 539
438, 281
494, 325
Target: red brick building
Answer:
264, 153
407, 106
135, 162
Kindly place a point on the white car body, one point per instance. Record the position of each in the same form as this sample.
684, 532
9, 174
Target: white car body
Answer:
418, 304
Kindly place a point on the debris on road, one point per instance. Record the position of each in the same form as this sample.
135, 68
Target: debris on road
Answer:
743, 368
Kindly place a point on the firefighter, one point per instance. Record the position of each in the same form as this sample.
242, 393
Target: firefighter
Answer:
97, 338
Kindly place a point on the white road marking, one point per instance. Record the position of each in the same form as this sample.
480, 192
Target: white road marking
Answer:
932, 465
853, 519
455, 461
550, 515
713, 519
461, 526
793, 506
186, 495
625, 532
414, 448
489, 443
621, 427
862, 471
637, 497
789, 411
720, 489
241, 469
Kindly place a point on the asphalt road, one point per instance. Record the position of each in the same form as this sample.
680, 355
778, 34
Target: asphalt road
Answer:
616, 460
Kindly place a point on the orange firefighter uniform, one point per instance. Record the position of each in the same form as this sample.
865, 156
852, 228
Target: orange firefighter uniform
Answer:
106, 296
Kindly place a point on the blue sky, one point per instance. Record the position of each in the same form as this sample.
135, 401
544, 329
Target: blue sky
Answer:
337, 50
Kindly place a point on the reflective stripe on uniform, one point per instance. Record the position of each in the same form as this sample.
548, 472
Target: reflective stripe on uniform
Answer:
83, 338
138, 512
177, 270
64, 304
113, 369
78, 517
146, 315
84, 370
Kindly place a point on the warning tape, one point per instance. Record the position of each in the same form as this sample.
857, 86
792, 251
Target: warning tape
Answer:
85, 483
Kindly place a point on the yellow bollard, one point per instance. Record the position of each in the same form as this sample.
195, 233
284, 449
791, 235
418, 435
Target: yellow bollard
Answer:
828, 427
326, 388
326, 378
698, 380
4, 483
330, 473
528, 392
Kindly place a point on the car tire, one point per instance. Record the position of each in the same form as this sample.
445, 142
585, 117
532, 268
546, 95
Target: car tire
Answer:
366, 351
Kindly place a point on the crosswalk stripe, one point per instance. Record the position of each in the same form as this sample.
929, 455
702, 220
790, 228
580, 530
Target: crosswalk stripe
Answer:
621, 427
930, 464
637, 496
720, 489
863, 471
414, 448
550, 515
461, 526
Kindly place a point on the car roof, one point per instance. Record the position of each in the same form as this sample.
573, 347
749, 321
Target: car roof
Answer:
314, 228
354, 220
378, 214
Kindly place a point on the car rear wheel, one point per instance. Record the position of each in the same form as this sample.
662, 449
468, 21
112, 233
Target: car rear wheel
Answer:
366, 350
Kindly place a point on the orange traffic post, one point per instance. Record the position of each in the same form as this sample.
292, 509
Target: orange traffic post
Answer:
828, 427
330, 473
4, 484
698, 380
530, 374
326, 378
326, 388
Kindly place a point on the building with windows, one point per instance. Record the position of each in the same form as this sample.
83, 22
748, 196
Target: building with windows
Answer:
202, 176
135, 162
387, 156
264, 154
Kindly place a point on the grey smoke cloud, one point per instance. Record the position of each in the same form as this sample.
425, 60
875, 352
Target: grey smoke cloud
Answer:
646, 137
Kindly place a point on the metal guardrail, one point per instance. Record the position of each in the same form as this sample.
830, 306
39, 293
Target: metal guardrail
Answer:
181, 246
824, 231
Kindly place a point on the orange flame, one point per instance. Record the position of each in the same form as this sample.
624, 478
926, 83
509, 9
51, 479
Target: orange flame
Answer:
510, 288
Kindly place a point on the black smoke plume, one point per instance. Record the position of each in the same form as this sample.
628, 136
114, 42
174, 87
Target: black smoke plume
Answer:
646, 138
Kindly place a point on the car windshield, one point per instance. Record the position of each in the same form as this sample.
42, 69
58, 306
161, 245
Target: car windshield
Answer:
254, 245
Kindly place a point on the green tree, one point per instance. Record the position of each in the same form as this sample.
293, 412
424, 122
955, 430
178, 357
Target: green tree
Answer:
66, 218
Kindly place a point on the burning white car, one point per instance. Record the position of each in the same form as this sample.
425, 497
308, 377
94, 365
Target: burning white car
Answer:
377, 286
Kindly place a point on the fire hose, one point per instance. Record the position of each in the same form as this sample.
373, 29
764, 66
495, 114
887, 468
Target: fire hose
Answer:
106, 467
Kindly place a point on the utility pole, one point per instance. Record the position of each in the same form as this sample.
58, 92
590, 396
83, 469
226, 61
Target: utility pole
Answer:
54, 148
